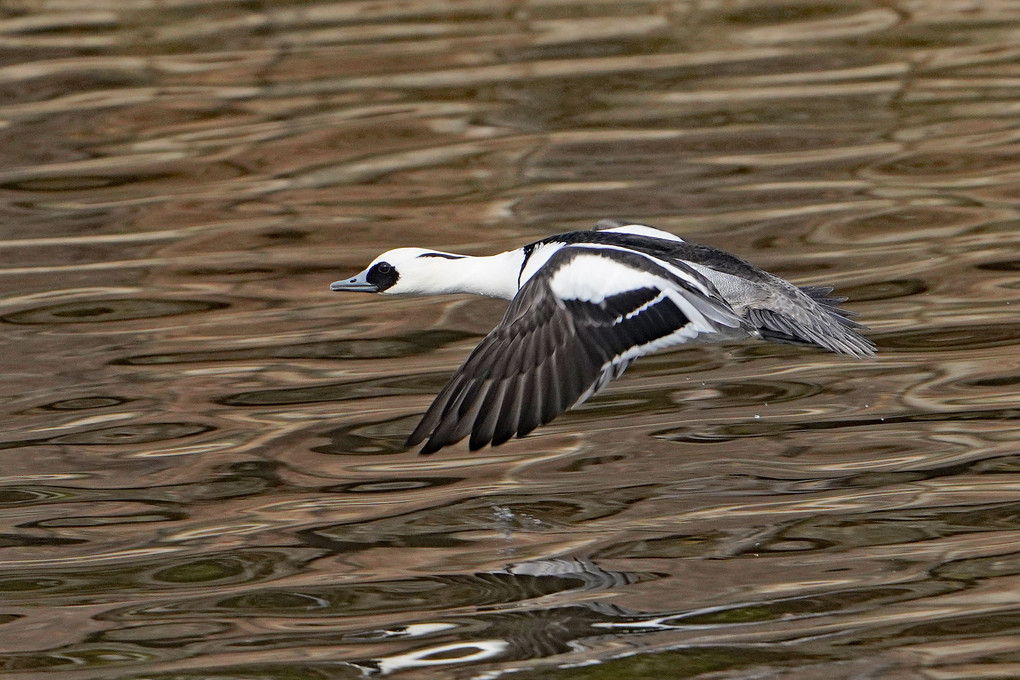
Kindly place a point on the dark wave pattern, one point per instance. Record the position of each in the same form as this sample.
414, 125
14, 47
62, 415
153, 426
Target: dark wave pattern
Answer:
202, 470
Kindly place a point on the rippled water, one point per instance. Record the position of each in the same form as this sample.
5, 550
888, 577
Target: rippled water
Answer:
201, 462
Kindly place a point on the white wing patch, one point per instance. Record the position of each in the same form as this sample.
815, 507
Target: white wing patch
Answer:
594, 277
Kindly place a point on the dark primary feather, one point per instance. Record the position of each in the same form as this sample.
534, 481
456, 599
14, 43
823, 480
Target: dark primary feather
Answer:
544, 356
823, 296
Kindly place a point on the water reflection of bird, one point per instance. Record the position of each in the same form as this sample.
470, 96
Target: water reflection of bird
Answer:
583, 306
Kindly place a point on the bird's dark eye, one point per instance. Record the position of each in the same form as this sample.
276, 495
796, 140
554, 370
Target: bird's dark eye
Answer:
384, 267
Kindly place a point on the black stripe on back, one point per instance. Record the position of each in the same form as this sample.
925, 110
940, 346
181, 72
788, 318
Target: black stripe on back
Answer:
445, 256
670, 251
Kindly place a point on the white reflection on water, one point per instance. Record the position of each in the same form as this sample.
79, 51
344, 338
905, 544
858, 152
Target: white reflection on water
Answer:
443, 655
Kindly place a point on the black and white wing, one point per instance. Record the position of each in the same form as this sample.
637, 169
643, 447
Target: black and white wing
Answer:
573, 327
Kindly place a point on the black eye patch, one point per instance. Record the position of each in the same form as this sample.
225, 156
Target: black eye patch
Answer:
382, 275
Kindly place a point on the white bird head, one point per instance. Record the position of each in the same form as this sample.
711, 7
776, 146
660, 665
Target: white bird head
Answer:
403, 271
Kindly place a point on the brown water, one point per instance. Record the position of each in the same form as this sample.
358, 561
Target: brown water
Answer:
201, 469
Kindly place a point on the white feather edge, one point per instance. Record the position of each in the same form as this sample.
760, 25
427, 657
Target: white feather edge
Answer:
642, 230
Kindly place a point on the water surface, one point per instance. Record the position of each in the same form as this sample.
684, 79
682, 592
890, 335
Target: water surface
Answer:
201, 463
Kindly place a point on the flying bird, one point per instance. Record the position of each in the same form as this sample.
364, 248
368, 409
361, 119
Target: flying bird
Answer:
583, 306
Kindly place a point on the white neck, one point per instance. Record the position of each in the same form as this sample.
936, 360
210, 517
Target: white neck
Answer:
493, 275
